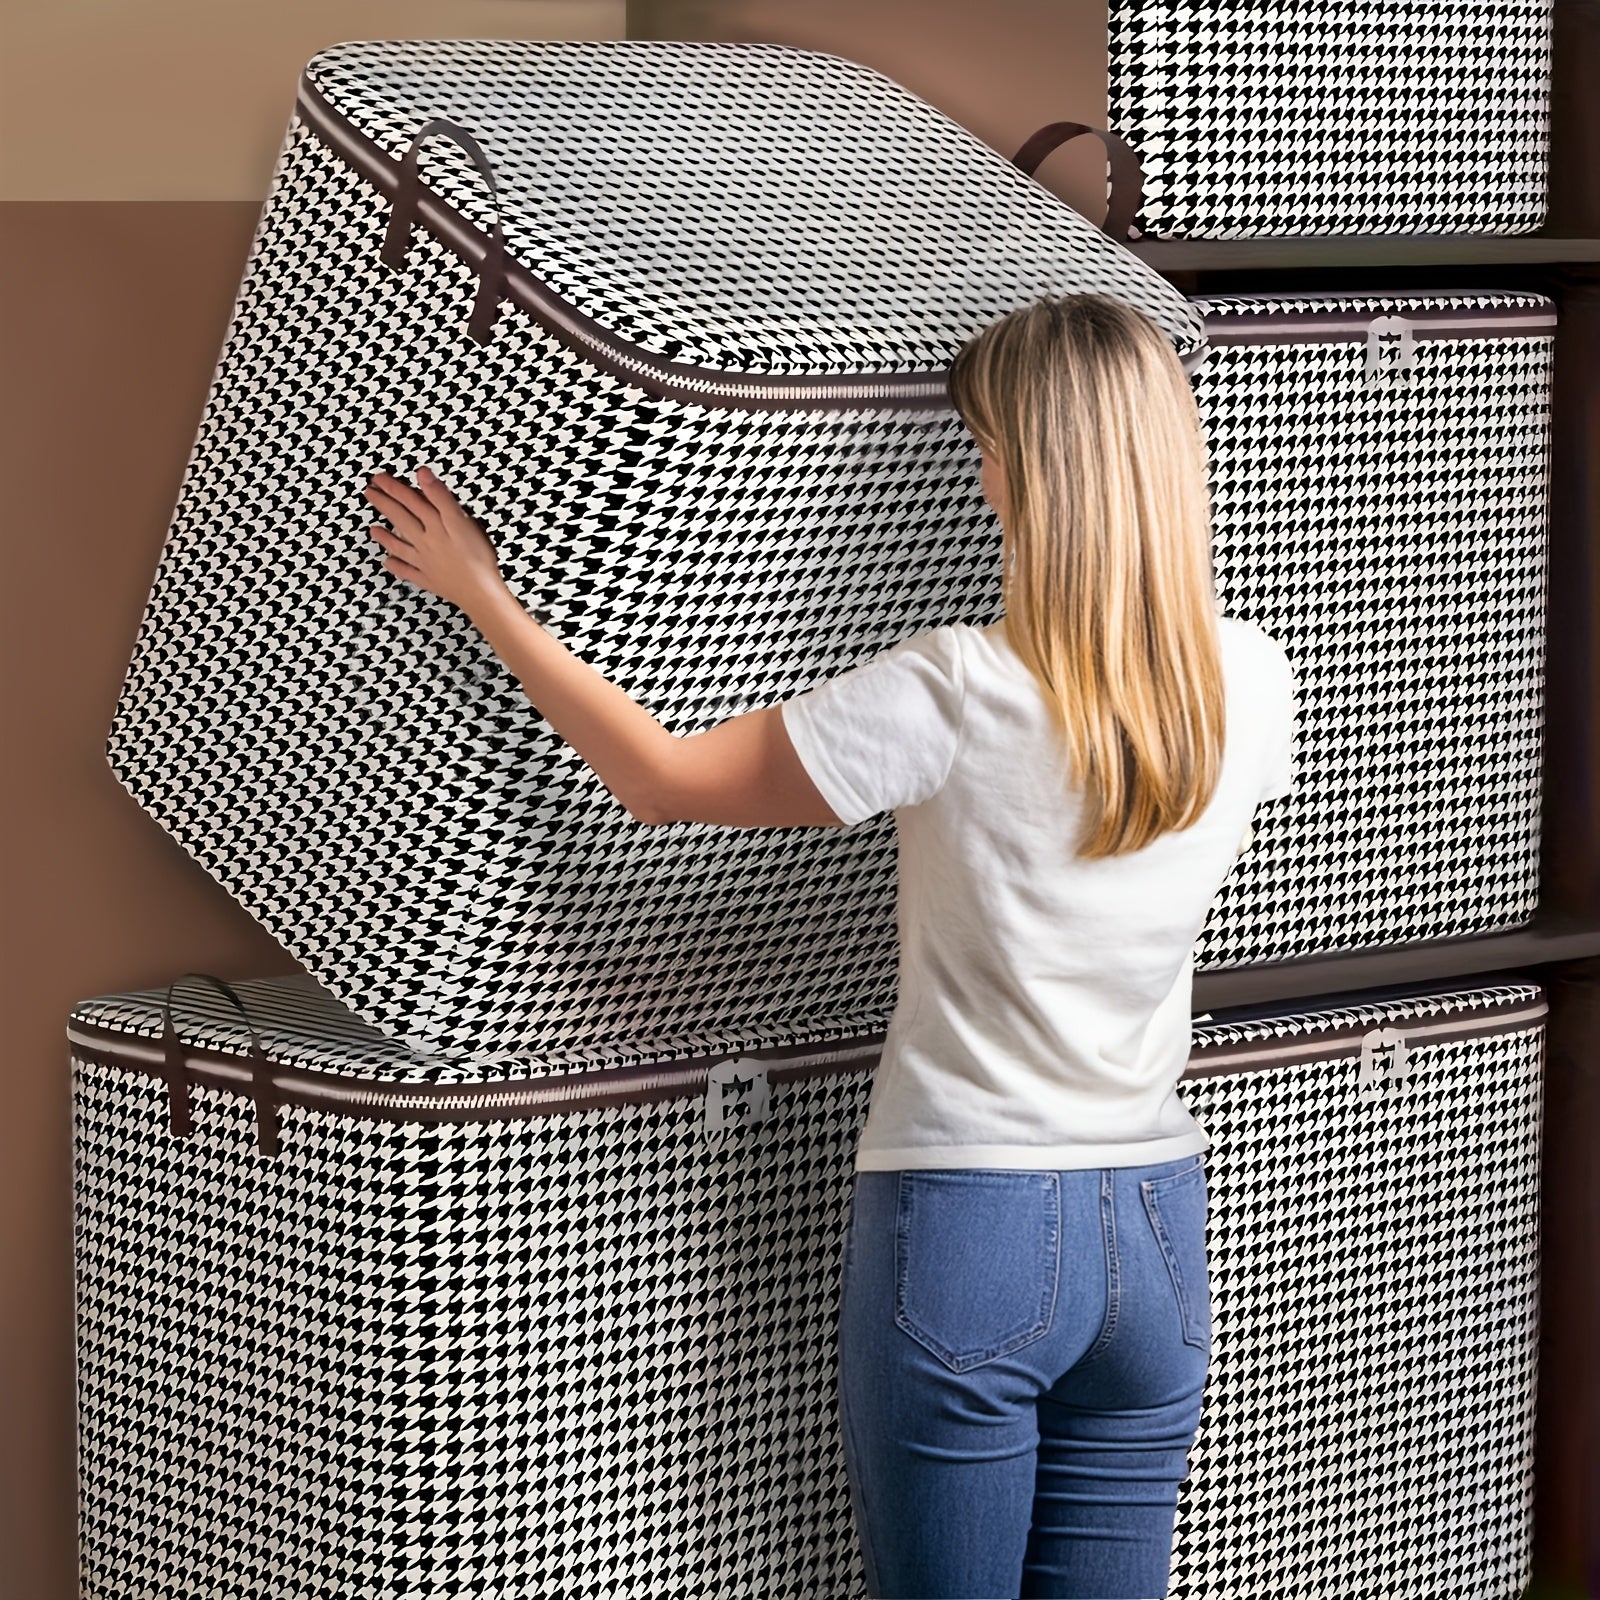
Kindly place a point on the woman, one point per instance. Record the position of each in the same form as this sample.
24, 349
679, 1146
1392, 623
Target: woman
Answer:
1025, 1317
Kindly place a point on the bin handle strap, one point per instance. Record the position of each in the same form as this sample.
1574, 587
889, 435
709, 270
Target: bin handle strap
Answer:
396, 240
178, 1079
1127, 176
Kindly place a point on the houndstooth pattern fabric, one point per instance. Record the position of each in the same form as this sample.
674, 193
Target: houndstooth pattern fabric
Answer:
301, 1025
349, 759
752, 207
1339, 116
594, 1354
347, 756
366, 777
1374, 1269
1393, 537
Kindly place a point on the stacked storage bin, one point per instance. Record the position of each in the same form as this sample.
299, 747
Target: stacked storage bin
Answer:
1333, 117
535, 1332
499, 1254
672, 320
1380, 477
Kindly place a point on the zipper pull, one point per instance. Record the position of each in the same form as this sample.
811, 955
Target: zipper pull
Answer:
1391, 349
737, 1094
1391, 1040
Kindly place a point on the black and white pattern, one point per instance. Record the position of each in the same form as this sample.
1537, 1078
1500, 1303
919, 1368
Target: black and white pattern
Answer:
593, 1353
345, 754
1337, 116
1392, 535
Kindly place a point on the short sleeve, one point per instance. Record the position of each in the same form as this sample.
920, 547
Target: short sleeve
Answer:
1278, 776
883, 734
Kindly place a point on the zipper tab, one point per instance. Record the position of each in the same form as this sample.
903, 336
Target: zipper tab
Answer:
1382, 1039
737, 1094
1391, 349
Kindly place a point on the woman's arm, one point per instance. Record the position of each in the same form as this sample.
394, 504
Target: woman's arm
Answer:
743, 773
437, 546
629, 750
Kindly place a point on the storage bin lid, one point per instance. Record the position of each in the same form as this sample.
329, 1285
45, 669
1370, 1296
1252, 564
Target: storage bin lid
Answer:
738, 206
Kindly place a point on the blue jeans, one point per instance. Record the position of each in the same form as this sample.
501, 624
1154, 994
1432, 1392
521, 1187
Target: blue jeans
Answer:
1022, 1357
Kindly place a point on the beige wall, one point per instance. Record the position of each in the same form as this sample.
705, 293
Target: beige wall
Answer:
182, 100
188, 99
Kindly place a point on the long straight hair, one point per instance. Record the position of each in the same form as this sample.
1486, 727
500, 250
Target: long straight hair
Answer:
1107, 577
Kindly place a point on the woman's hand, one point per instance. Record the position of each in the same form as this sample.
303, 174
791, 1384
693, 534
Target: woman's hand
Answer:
435, 545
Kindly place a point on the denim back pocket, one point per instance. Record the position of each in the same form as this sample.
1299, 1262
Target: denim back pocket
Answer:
977, 1253
1176, 1207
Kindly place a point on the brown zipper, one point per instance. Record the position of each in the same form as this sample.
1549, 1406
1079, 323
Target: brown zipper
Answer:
380, 1099
1236, 323
272, 1084
1368, 1040
500, 274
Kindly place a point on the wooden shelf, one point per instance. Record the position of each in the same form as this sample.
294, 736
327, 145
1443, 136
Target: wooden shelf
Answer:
1547, 939
1322, 251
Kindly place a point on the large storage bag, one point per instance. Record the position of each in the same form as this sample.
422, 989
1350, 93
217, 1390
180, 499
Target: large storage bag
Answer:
531, 1332
1380, 485
700, 406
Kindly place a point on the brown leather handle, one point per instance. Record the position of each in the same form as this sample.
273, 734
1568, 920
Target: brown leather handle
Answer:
178, 1079
1127, 176
396, 239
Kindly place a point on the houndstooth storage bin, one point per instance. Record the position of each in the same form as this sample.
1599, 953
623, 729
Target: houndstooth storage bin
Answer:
704, 418
1339, 116
518, 1334
1380, 487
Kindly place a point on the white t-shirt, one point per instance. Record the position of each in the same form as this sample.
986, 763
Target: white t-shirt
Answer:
1043, 1012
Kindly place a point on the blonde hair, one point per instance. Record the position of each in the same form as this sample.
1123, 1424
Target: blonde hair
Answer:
1108, 584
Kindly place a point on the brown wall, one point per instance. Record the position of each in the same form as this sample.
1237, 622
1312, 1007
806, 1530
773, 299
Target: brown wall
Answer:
106, 371
136, 144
